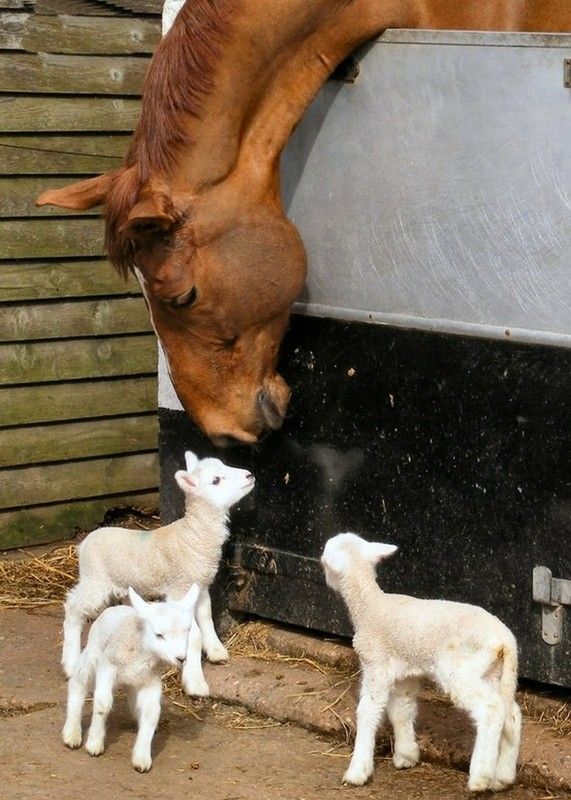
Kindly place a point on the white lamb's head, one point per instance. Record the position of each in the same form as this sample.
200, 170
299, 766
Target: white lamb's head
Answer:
212, 480
166, 625
347, 551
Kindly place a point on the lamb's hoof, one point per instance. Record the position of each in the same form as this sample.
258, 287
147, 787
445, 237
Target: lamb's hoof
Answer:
95, 747
72, 737
407, 759
197, 688
497, 785
67, 668
357, 776
142, 763
480, 783
217, 654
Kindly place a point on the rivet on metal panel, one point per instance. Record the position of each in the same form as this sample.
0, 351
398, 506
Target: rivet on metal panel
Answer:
567, 73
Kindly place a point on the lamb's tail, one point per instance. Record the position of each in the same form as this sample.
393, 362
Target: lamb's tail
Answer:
508, 686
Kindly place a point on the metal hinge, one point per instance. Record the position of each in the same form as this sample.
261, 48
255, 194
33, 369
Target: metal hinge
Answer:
567, 73
553, 594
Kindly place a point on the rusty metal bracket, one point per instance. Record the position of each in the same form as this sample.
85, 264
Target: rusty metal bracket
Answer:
553, 594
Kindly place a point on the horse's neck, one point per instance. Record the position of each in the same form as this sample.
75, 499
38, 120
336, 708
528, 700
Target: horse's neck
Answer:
273, 61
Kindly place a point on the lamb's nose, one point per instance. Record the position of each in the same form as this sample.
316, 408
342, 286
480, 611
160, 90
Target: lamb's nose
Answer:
180, 659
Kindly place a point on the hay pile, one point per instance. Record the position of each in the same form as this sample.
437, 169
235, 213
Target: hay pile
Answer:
34, 581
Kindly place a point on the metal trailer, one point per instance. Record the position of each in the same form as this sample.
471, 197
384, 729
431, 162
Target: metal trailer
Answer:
429, 354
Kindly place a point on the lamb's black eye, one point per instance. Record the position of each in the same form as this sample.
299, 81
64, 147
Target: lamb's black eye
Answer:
215, 481
186, 299
159, 636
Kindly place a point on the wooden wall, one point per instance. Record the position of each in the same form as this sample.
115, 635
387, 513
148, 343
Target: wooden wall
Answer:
77, 356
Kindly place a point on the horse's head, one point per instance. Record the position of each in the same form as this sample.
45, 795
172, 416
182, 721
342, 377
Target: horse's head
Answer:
219, 288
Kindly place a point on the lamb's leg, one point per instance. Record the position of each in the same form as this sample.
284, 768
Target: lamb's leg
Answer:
149, 711
372, 703
77, 689
509, 749
401, 711
102, 703
486, 707
211, 644
82, 602
193, 680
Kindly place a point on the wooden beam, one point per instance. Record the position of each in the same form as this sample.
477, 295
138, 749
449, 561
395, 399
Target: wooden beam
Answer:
65, 114
107, 317
73, 440
48, 280
51, 238
43, 524
70, 154
77, 359
53, 483
90, 35
52, 402
63, 74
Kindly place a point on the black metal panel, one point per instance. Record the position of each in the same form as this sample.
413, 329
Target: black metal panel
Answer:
456, 449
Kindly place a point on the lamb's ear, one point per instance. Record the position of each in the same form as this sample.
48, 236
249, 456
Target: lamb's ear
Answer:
375, 551
152, 216
185, 481
190, 598
79, 196
191, 461
137, 602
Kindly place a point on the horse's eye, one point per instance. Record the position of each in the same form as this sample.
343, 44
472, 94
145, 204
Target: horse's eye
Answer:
216, 481
186, 299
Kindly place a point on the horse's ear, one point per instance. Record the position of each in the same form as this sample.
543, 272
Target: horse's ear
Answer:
154, 214
79, 196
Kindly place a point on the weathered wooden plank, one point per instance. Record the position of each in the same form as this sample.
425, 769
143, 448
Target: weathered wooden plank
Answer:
51, 238
43, 524
28, 486
18, 195
45, 280
63, 74
12, 29
77, 359
90, 35
63, 155
74, 440
66, 114
23, 4
27, 405
107, 317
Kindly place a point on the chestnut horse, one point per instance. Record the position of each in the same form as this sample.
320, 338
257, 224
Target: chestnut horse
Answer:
196, 213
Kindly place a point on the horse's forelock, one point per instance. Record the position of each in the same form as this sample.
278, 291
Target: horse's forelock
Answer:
120, 200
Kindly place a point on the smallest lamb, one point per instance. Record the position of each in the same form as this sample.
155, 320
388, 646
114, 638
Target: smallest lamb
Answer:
128, 646
468, 652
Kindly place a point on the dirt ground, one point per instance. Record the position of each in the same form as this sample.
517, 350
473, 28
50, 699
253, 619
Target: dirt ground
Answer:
223, 754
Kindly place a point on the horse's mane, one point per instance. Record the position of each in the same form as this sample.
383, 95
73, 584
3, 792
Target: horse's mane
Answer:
180, 75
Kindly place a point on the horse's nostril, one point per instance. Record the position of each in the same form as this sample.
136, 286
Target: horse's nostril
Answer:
272, 416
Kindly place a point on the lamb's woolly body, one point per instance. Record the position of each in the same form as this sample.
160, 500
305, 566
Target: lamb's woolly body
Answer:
154, 562
466, 650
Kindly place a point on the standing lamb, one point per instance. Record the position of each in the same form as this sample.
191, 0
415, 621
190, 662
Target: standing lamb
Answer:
128, 646
468, 652
163, 562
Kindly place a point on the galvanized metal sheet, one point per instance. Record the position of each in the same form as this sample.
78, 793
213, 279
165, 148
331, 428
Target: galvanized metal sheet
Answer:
435, 192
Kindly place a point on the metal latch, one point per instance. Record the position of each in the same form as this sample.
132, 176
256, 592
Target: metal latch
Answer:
553, 594
567, 73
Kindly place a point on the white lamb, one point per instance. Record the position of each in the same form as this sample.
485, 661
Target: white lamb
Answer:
468, 652
163, 562
128, 646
